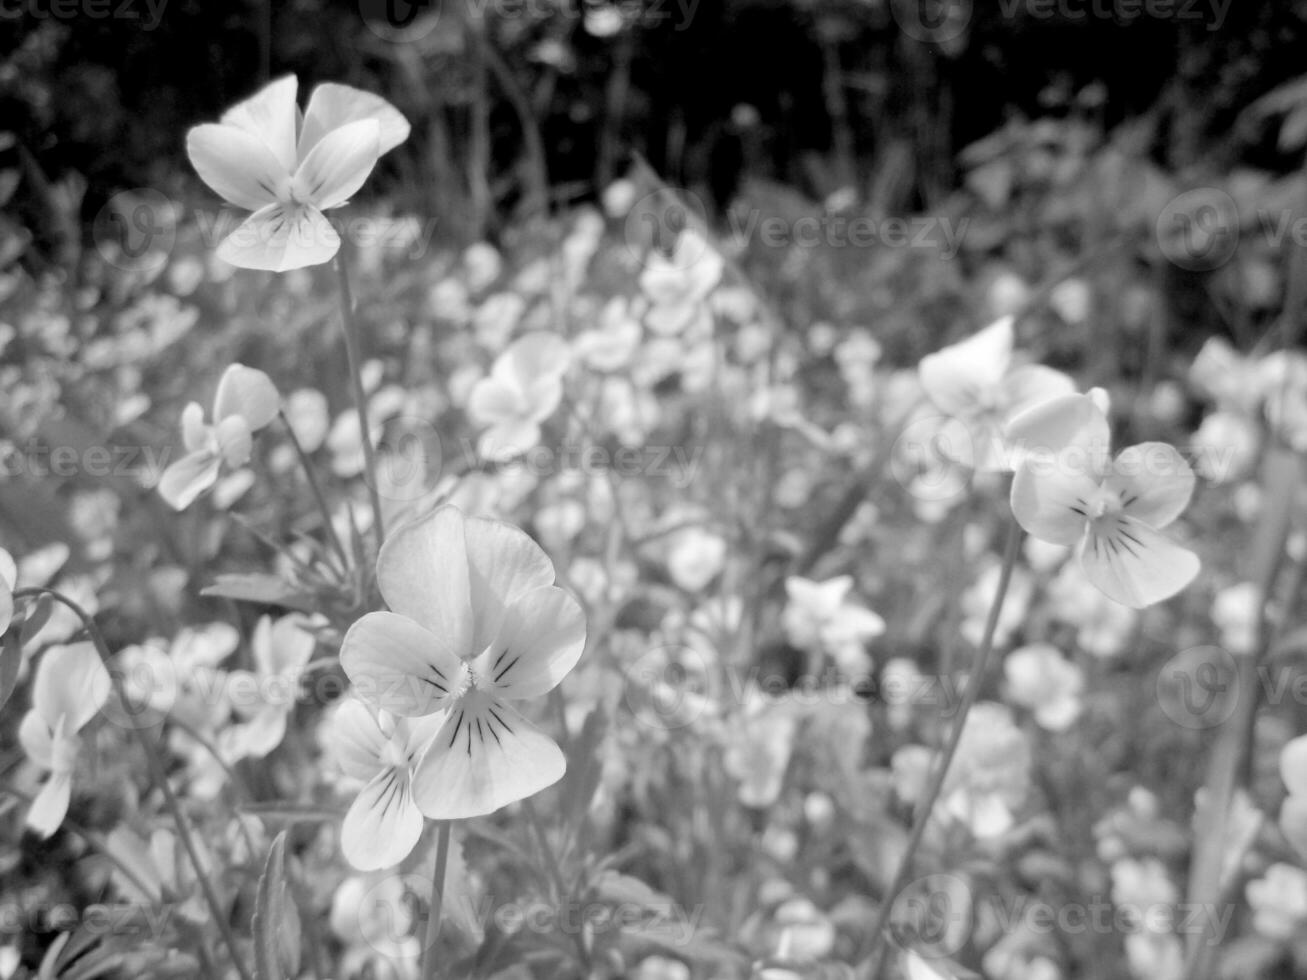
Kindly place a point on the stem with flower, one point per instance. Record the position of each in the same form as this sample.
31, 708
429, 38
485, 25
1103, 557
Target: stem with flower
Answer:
157, 772
437, 900
926, 805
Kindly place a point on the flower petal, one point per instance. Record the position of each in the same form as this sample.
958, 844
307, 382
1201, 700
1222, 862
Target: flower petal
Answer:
72, 684
37, 739
492, 401
1153, 481
338, 165
333, 105
187, 478
283, 648
1293, 766
396, 664
1071, 429
237, 166
246, 392
383, 825
1029, 385
504, 564
485, 757
423, 574
1048, 501
540, 641
956, 376
51, 804
255, 738
279, 238
235, 441
270, 115
195, 434
355, 740
1133, 564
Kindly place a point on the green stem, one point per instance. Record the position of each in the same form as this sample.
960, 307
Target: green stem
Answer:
926, 805
158, 773
360, 398
432, 937
307, 465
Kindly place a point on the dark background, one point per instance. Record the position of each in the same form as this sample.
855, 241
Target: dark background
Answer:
815, 96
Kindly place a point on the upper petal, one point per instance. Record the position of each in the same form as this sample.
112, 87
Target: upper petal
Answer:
504, 564
51, 804
1032, 384
1050, 502
396, 664
423, 574
956, 376
1070, 430
540, 641
1153, 481
237, 166
333, 105
355, 740
246, 392
338, 165
270, 115
1133, 564
71, 683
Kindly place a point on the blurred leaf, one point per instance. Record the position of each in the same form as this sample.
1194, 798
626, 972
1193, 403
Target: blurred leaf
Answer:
276, 923
261, 588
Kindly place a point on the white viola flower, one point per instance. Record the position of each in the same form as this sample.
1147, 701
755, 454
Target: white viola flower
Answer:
821, 617
8, 582
1279, 902
678, 287
264, 156
1068, 490
1045, 683
611, 344
758, 750
71, 686
476, 622
1225, 446
1293, 812
977, 385
383, 824
695, 558
266, 696
246, 402
990, 776
525, 387
1227, 377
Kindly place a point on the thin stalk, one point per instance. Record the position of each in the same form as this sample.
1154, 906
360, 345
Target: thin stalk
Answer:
360, 398
309, 473
160, 776
926, 805
437, 900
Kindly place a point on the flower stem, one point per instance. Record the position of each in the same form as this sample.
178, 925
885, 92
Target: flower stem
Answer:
160, 776
432, 936
360, 398
926, 805
307, 465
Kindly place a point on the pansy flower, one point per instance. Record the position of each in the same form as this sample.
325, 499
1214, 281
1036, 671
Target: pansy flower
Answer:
383, 824
1045, 683
678, 286
821, 617
1068, 490
264, 156
476, 623
246, 401
266, 696
976, 383
71, 686
524, 388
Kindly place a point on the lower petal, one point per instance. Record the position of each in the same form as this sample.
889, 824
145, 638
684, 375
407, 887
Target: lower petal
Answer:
280, 238
382, 825
1134, 565
485, 757
1050, 501
186, 479
51, 804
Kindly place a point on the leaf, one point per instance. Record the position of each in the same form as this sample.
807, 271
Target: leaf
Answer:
292, 813
258, 587
276, 924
